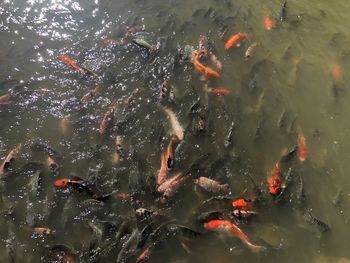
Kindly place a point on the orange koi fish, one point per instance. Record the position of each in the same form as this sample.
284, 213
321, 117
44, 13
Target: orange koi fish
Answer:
302, 147
211, 185
274, 180
68, 61
268, 23
144, 255
337, 73
4, 168
218, 92
235, 40
230, 228
208, 72
243, 204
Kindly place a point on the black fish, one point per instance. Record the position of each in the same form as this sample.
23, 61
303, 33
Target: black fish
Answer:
283, 13
311, 219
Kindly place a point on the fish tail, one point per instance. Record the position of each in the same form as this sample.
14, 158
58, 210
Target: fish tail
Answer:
255, 248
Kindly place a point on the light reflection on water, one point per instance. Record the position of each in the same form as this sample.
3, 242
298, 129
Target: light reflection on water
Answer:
291, 70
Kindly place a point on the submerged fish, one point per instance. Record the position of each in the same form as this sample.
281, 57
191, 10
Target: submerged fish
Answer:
283, 12
75, 183
211, 185
250, 50
219, 92
5, 167
90, 95
206, 71
177, 128
268, 22
235, 40
170, 186
68, 61
243, 204
6, 100
230, 228
274, 180
302, 147
107, 121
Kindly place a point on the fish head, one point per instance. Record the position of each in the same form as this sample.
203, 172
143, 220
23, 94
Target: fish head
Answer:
61, 183
275, 186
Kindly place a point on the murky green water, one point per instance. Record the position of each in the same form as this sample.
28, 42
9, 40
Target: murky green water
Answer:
286, 86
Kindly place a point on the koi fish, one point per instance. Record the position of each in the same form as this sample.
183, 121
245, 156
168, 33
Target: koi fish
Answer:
250, 50
243, 214
107, 121
218, 92
131, 97
68, 61
337, 73
169, 154
275, 180
268, 23
144, 255
230, 228
163, 168
90, 95
243, 204
208, 72
119, 153
75, 183
44, 231
283, 13
216, 62
177, 128
53, 166
203, 46
302, 147
4, 168
5, 100
170, 186
211, 185
235, 40
163, 90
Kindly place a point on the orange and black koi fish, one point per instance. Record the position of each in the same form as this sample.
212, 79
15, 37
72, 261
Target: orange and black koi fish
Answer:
68, 61
235, 40
208, 72
230, 228
243, 204
75, 183
4, 168
218, 92
44, 231
302, 147
269, 24
274, 180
